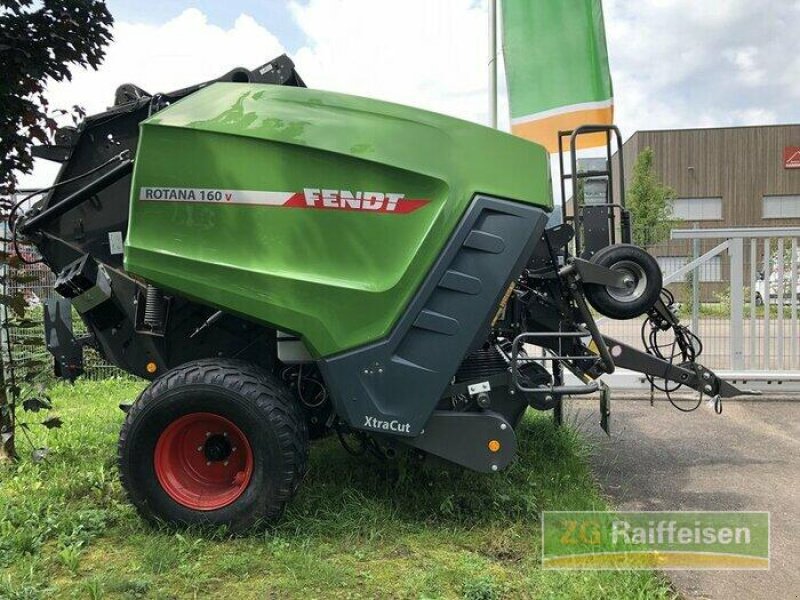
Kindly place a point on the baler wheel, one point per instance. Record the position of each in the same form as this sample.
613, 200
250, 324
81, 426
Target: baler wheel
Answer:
213, 442
643, 282
203, 461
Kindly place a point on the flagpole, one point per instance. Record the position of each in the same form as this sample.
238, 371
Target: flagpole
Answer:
493, 63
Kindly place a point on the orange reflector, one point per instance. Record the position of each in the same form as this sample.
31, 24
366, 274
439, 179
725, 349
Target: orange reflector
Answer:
494, 446
151, 367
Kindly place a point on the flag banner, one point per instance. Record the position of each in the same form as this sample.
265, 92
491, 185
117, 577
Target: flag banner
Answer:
557, 69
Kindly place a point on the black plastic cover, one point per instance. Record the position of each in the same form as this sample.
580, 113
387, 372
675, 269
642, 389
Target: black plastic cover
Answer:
394, 385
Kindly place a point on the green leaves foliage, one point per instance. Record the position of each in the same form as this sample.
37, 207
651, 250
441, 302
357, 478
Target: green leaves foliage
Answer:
650, 203
41, 40
36, 404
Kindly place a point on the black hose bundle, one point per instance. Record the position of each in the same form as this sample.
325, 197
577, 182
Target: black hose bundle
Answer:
682, 347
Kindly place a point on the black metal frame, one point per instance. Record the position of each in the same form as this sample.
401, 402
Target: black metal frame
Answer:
576, 217
559, 321
577, 211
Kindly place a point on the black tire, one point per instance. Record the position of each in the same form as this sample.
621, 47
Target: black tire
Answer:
759, 300
643, 271
261, 409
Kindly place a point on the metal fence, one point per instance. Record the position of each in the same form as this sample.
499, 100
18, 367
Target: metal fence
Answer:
738, 291
26, 343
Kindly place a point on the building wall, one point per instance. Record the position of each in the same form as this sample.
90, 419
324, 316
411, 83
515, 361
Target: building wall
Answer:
740, 165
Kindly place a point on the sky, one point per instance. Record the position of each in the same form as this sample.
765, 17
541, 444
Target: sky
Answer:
674, 63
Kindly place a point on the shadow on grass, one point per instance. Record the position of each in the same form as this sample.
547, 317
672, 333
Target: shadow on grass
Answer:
75, 495
346, 495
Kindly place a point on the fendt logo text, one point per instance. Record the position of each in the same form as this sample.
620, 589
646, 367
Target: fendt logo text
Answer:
315, 198
371, 201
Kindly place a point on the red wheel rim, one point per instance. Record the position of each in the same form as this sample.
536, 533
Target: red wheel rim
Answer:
203, 461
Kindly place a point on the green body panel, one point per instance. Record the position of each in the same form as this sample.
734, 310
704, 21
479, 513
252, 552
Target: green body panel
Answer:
339, 278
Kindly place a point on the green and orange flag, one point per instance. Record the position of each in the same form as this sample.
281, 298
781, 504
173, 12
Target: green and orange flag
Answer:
557, 69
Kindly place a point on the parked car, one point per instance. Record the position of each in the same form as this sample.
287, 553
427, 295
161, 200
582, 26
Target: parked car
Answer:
761, 288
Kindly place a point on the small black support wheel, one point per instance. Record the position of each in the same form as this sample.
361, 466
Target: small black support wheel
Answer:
643, 282
759, 300
213, 442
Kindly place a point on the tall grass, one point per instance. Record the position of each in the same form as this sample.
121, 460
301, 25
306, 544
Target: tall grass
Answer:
359, 528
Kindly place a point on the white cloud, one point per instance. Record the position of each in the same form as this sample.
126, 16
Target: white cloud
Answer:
160, 58
675, 63
747, 62
683, 63
418, 52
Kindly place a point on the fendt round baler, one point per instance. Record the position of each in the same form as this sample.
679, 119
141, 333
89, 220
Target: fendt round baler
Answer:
283, 263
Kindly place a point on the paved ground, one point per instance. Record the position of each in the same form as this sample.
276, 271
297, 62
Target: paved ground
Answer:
746, 459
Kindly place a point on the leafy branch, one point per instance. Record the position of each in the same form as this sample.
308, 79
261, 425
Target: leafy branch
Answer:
40, 41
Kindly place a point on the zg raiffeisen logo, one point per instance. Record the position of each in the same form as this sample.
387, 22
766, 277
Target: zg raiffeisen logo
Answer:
655, 540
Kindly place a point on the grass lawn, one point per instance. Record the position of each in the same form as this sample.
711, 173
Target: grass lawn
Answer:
357, 529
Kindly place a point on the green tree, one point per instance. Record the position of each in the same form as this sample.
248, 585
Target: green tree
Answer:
649, 202
40, 41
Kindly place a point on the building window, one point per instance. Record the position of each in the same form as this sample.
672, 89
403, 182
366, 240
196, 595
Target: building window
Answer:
670, 264
697, 209
710, 271
781, 207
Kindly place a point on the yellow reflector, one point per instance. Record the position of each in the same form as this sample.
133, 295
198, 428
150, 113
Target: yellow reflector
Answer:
494, 446
151, 367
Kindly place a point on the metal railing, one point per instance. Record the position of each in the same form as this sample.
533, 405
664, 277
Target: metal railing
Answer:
737, 289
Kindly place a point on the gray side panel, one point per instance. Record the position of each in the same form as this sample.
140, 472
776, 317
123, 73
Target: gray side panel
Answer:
393, 385
463, 438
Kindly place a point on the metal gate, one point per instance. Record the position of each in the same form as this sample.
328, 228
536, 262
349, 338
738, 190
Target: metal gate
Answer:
738, 290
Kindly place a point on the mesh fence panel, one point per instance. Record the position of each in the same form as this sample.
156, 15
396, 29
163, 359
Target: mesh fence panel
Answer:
26, 343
